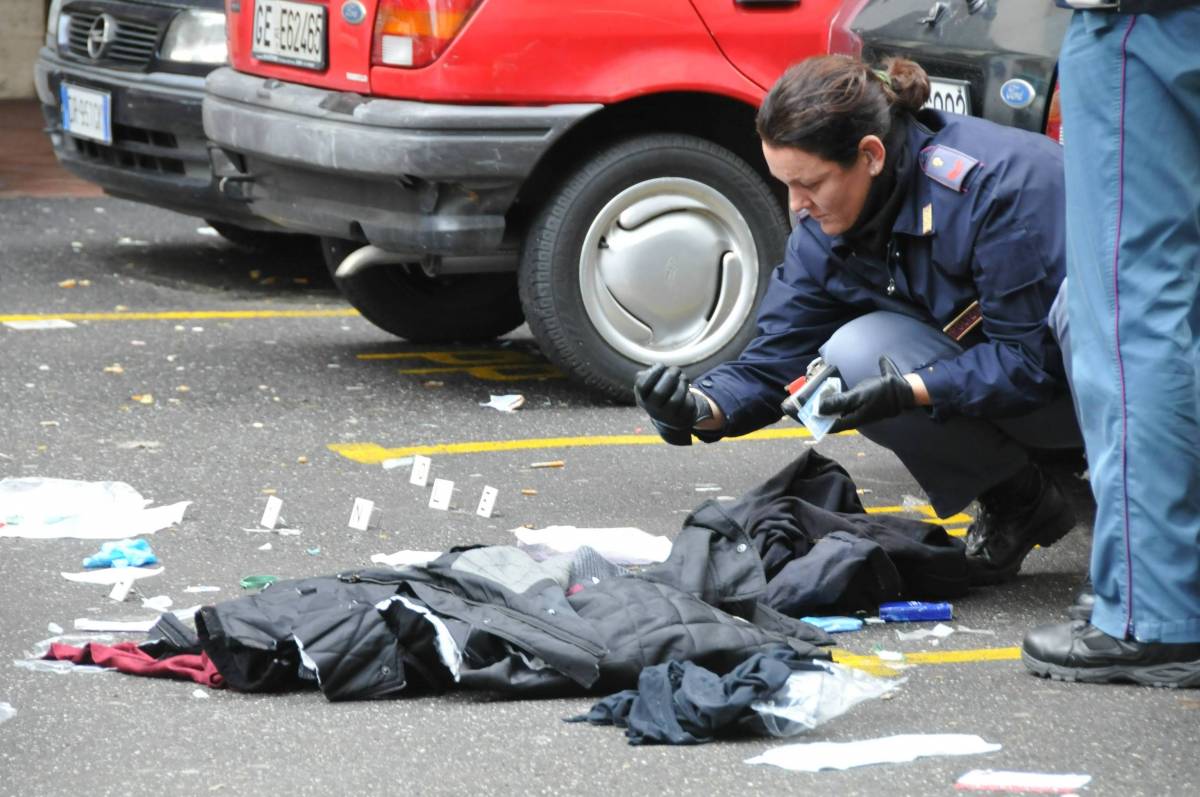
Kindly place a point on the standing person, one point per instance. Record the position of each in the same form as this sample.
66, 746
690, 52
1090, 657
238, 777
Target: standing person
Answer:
928, 251
1131, 122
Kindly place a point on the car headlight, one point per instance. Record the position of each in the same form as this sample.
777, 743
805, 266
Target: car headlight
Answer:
52, 21
196, 37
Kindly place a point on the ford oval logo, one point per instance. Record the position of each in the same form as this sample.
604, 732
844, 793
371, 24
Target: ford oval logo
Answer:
353, 11
1017, 93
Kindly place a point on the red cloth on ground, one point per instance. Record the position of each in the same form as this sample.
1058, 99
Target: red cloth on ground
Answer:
129, 658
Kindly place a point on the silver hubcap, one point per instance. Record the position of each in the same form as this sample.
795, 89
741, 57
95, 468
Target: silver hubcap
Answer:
668, 271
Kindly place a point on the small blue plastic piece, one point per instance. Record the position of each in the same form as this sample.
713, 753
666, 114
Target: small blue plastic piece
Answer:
122, 553
835, 625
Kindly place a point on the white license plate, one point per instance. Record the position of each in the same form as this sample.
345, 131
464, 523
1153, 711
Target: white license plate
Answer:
289, 33
952, 96
86, 113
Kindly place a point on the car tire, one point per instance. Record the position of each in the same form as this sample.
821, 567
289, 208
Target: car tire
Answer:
657, 249
403, 300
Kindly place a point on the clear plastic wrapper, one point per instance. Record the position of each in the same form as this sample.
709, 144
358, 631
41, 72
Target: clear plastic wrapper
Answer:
811, 698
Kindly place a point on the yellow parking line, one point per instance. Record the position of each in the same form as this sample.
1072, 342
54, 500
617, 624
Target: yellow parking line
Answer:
878, 666
373, 453
183, 315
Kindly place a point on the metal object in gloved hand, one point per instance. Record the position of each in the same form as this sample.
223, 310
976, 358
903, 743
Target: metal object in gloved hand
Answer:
874, 399
666, 395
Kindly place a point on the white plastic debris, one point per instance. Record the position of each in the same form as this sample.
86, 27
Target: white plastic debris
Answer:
40, 508
208, 231
813, 697
889, 655
396, 462
159, 603
203, 588
200, 694
129, 626
1005, 780
7, 712
266, 546
622, 546
35, 324
54, 628
962, 629
35, 660
405, 558
939, 631
816, 756
507, 403
112, 575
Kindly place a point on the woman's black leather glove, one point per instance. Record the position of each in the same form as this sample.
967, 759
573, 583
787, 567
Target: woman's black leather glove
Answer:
874, 399
665, 394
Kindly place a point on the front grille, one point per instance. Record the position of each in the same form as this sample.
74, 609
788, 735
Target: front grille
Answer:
133, 46
133, 148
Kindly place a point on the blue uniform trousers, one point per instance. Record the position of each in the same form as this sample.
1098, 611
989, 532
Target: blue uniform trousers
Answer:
1131, 111
956, 459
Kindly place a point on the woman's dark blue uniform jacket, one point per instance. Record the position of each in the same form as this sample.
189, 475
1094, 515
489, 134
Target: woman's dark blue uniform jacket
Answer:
983, 220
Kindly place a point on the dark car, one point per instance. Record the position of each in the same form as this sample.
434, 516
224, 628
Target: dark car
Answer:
121, 85
991, 58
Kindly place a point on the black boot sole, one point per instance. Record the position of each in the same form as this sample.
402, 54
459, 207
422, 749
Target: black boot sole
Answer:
1058, 520
1184, 674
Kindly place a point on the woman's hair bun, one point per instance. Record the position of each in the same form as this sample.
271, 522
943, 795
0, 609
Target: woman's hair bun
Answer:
909, 83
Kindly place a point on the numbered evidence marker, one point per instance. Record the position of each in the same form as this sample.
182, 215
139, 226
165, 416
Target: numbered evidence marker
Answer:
440, 497
420, 471
270, 516
360, 515
487, 502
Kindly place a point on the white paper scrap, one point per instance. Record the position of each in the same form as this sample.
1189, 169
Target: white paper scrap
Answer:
622, 546
1004, 780
203, 588
112, 575
487, 502
266, 546
200, 694
270, 515
440, 497
54, 628
40, 323
396, 462
815, 756
939, 631
405, 558
420, 470
509, 403
360, 514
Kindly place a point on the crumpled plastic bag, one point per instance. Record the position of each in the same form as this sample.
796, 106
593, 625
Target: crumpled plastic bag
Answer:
813, 697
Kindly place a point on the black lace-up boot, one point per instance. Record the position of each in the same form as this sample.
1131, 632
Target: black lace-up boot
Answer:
1026, 510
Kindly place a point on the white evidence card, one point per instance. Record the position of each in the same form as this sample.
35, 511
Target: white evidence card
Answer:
360, 515
420, 471
440, 497
270, 516
487, 502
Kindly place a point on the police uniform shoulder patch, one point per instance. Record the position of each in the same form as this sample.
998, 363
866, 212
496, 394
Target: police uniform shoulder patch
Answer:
947, 166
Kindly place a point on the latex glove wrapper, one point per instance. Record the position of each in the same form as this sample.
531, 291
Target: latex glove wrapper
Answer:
38, 508
875, 399
666, 395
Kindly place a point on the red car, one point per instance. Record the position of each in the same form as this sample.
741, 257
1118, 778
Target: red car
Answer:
590, 167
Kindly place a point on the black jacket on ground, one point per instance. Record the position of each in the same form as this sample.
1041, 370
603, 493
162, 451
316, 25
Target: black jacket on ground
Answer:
823, 554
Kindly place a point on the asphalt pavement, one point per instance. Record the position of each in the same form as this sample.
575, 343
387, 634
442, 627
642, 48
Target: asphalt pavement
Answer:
255, 379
